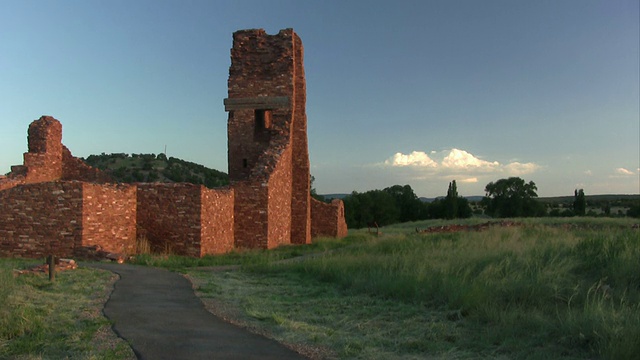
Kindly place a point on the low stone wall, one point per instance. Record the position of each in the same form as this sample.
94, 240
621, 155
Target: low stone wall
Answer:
41, 219
328, 219
109, 217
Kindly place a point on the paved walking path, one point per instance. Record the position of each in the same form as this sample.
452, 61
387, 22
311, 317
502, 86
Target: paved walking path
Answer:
158, 313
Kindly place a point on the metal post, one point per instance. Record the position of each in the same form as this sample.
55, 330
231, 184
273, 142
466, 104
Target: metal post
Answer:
51, 260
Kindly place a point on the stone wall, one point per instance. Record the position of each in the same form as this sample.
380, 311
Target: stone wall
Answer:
185, 219
279, 207
170, 216
41, 219
328, 219
251, 219
109, 217
61, 217
217, 220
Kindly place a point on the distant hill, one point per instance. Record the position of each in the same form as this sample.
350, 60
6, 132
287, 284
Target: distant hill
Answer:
470, 198
334, 196
151, 168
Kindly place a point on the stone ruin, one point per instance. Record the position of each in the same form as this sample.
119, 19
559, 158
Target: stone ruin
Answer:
56, 204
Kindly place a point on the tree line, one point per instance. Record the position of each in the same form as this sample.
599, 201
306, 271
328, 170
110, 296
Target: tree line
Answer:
504, 198
400, 204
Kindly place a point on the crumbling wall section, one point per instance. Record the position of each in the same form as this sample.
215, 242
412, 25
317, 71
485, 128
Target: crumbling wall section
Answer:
43, 161
109, 217
41, 219
217, 218
76, 169
48, 160
327, 220
9, 182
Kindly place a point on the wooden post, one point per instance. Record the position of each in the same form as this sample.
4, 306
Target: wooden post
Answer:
51, 260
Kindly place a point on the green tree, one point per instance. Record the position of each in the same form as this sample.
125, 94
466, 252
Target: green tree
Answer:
450, 207
358, 209
407, 203
512, 197
373, 206
634, 211
464, 208
384, 210
451, 201
314, 193
579, 202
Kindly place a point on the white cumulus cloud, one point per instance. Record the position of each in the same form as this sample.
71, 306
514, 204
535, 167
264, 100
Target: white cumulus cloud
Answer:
469, 180
416, 158
623, 171
457, 163
460, 159
517, 168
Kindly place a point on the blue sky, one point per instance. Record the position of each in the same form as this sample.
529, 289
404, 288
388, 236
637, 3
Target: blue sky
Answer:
398, 92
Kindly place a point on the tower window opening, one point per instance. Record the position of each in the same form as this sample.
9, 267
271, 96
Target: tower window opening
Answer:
263, 119
244, 163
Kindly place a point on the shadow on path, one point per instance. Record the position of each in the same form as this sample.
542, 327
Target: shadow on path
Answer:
157, 312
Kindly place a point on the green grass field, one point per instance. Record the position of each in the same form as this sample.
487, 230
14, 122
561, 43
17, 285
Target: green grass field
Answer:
56, 320
551, 288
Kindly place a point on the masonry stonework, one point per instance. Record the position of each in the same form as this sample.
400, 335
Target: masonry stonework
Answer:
185, 219
328, 219
109, 217
63, 217
55, 203
41, 218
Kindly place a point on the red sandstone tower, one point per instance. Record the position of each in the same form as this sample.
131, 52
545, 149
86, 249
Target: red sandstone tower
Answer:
267, 129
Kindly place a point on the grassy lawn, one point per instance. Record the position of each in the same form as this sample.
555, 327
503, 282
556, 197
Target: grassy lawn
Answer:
541, 291
60, 320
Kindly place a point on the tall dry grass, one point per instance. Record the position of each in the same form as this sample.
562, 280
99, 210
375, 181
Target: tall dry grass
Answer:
576, 289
